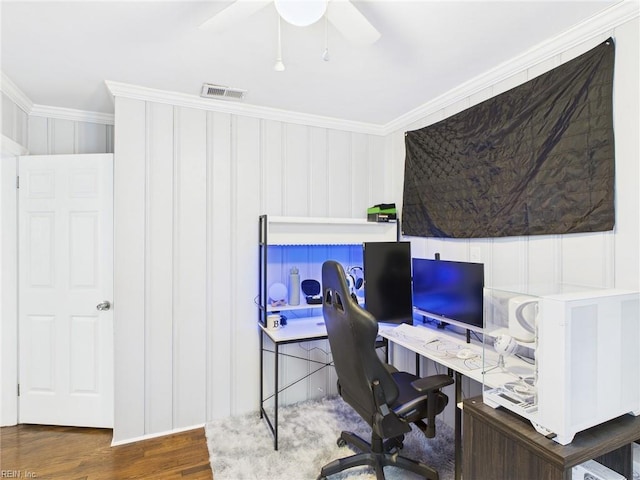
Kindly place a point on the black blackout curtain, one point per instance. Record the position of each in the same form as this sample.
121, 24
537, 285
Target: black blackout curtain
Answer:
537, 159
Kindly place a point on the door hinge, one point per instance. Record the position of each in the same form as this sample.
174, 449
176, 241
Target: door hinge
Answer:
18, 389
17, 182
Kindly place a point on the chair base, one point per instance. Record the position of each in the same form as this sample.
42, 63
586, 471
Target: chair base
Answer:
378, 456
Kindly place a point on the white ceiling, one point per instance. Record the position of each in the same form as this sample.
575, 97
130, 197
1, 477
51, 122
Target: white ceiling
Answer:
60, 53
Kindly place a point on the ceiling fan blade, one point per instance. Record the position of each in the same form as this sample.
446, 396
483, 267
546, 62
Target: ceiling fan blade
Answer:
232, 14
351, 23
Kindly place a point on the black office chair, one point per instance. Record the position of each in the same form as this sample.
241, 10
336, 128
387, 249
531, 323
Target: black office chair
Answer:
388, 400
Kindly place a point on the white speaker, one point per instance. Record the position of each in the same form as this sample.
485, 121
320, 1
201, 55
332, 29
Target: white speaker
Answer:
523, 315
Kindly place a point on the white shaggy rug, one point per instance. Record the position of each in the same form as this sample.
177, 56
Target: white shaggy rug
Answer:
242, 447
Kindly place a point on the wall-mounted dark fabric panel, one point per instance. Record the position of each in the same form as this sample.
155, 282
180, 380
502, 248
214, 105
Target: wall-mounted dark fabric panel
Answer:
537, 159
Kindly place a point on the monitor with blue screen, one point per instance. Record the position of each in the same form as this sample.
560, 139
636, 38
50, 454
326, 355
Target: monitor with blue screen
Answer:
448, 291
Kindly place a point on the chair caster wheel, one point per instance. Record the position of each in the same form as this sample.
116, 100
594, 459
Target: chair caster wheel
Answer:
341, 442
395, 445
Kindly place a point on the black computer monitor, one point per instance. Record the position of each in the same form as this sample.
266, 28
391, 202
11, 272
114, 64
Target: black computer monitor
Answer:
449, 291
387, 281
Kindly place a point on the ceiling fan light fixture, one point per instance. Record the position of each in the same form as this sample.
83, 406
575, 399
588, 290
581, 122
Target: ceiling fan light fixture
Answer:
325, 54
279, 66
301, 13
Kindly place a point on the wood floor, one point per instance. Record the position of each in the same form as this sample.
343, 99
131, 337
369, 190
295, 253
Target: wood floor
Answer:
45, 452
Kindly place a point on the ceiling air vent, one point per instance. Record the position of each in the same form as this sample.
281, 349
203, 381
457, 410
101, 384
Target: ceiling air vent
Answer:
218, 91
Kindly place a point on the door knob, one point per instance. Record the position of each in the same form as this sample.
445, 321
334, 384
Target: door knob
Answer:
104, 306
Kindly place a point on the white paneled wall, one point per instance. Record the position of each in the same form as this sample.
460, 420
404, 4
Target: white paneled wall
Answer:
158, 300
220, 266
189, 267
50, 136
627, 125
189, 187
133, 371
14, 121
42, 135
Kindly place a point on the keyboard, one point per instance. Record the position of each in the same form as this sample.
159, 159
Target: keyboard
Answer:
436, 345
412, 334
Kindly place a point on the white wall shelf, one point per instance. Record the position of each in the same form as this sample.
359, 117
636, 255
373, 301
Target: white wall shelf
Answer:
324, 231
279, 231
286, 308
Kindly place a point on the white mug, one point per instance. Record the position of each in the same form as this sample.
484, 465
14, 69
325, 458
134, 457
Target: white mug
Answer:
273, 321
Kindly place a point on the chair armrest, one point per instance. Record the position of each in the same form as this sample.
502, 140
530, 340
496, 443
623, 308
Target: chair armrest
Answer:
390, 368
432, 382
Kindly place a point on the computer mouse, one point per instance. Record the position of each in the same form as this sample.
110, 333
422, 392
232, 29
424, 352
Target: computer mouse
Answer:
465, 353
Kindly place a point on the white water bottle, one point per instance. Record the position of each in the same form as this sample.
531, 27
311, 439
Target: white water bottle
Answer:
294, 287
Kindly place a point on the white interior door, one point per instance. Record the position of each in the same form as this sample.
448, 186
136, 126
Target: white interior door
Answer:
65, 245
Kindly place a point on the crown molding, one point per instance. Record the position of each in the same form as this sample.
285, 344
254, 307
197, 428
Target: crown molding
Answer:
16, 95
23, 102
136, 92
588, 31
72, 114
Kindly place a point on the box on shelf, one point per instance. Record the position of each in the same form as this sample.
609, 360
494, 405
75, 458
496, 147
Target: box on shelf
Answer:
383, 212
564, 357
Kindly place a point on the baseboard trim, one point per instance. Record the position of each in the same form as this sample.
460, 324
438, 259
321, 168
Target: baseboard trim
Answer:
150, 436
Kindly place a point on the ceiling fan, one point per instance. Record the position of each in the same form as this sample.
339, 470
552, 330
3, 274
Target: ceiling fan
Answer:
344, 16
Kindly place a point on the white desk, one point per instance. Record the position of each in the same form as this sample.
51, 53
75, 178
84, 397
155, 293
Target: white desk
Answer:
441, 346
296, 331
442, 351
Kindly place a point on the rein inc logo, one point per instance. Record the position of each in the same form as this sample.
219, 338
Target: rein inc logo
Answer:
17, 474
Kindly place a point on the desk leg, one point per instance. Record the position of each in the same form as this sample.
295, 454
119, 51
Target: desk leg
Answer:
261, 372
458, 427
275, 407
